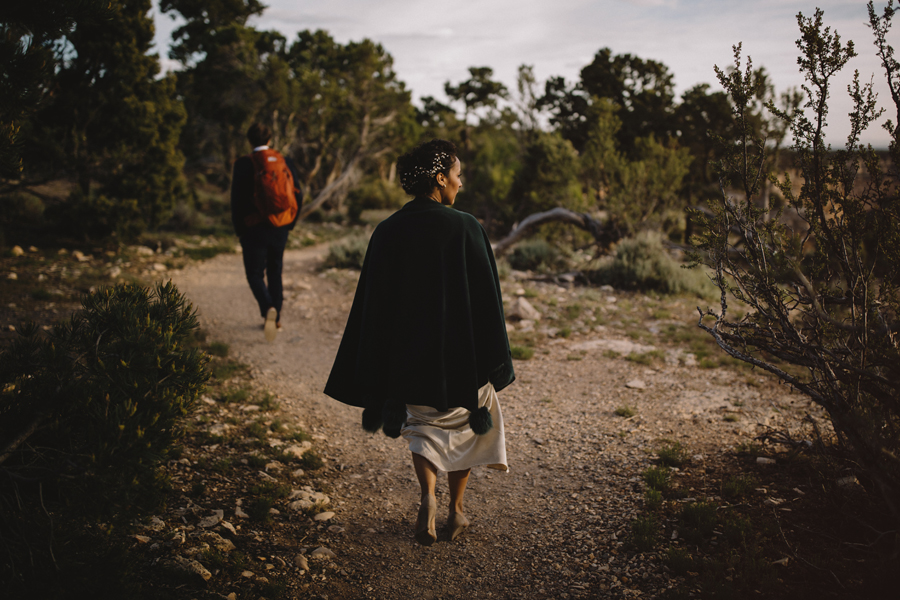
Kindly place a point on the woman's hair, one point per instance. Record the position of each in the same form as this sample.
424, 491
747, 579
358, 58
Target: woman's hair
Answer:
418, 167
259, 134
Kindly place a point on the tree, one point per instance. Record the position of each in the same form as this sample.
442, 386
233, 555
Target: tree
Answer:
28, 31
205, 19
822, 290
643, 91
477, 92
351, 114
568, 106
225, 92
702, 118
547, 178
111, 123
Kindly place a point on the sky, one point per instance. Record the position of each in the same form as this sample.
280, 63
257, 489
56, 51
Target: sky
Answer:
435, 42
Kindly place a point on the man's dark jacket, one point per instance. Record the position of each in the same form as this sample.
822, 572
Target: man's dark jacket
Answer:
242, 183
427, 325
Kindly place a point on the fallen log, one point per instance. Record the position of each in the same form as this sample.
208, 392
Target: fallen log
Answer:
603, 234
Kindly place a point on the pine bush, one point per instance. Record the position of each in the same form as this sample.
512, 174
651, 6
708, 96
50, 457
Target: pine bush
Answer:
88, 412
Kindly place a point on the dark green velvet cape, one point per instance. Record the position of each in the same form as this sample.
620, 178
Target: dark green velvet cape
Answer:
427, 325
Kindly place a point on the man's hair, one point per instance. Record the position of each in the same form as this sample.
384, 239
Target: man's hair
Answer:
259, 134
418, 168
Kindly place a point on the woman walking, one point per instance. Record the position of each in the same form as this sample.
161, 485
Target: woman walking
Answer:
425, 350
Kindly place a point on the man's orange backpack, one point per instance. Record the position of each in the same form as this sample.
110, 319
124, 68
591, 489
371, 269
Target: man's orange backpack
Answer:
273, 190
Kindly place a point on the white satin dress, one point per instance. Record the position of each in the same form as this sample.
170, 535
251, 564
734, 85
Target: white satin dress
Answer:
446, 439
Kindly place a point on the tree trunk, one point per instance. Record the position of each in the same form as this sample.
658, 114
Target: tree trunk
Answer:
598, 230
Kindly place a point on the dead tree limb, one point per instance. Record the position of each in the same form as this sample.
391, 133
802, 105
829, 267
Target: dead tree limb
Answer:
23, 435
598, 230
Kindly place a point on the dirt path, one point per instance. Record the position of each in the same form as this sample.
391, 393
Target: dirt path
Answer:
555, 526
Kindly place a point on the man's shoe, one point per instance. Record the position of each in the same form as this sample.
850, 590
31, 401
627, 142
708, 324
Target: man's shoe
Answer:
270, 329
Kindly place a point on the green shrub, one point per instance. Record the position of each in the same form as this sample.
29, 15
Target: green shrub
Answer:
643, 533
536, 255
738, 531
257, 461
226, 369
374, 194
98, 217
207, 252
672, 454
641, 263
679, 560
653, 499
625, 411
310, 461
218, 349
521, 352
739, 486
657, 478
348, 253
90, 410
698, 520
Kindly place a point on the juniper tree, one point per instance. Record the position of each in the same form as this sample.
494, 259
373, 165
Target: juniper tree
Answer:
821, 287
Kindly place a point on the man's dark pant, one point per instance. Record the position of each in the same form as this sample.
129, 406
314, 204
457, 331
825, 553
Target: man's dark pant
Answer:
263, 257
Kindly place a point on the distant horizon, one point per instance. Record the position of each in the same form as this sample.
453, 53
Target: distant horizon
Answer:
559, 38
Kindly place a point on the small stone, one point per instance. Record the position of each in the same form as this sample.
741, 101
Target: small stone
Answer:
762, 460
274, 511
336, 529
301, 563
213, 520
298, 473
159, 267
217, 541
12, 277
175, 538
297, 450
247, 574
520, 309
231, 596
192, 566
322, 553
155, 524
228, 527
612, 299
274, 466
265, 476
115, 272
32, 248
17, 251
636, 384
142, 538
324, 516
239, 513
302, 504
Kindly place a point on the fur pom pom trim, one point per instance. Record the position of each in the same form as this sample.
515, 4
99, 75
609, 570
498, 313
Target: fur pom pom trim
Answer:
371, 419
480, 421
394, 416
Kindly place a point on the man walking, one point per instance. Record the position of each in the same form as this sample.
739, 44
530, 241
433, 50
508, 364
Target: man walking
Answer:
265, 203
